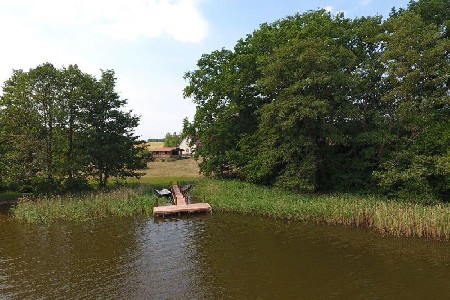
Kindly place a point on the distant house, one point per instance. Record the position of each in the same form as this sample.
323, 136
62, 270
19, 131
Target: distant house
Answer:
185, 146
167, 152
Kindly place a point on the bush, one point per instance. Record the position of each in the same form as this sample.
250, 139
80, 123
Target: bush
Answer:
47, 186
75, 185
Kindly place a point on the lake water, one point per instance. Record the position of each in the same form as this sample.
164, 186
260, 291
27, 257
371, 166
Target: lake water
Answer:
218, 256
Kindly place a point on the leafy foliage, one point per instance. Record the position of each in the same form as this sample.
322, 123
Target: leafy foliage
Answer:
172, 139
319, 102
59, 127
418, 75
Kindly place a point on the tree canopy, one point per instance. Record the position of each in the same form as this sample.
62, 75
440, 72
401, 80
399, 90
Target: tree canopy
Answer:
320, 102
60, 127
172, 139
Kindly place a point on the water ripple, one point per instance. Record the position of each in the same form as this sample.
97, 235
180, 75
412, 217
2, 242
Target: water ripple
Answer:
214, 257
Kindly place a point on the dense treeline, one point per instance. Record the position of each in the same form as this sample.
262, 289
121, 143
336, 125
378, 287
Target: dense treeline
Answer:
320, 102
61, 127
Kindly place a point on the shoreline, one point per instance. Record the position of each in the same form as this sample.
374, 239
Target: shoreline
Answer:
385, 217
81, 208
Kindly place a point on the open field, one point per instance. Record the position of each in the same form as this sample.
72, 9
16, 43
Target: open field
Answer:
181, 168
153, 145
163, 174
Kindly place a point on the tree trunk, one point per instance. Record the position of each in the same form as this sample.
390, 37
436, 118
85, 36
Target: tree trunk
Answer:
100, 181
49, 147
321, 175
70, 143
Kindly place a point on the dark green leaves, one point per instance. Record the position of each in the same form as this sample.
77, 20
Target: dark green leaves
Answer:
318, 102
172, 139
58, 127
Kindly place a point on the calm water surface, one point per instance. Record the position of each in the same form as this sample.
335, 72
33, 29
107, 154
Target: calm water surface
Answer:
219, 256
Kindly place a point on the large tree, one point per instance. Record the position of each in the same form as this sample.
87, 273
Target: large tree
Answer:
109, 141
24, 133
76, 90
275, 109
172, 139
306, 78
59, 126
317, 101
417, 76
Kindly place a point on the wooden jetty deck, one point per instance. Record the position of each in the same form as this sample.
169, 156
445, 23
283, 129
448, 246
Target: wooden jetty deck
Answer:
180, 205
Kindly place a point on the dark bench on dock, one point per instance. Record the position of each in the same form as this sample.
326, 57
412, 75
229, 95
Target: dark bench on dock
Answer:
181, 204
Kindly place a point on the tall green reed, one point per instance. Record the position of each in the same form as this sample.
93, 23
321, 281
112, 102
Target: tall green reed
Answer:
82, 207
379, 214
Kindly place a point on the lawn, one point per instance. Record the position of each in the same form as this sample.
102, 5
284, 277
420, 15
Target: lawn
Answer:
163, 174
181, 168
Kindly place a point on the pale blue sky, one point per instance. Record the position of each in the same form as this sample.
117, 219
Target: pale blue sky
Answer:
149, 43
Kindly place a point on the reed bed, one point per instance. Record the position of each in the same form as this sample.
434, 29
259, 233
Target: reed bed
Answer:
379, 214
83, 207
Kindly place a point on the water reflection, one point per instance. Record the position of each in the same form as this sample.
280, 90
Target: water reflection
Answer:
165, 267
223, 256
269, 259
65, 259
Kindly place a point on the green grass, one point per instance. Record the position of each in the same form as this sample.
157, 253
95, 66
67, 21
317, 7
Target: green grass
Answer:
164, 174
80, 208
9, 196
379, 214
130, 197
138, 197
181, 168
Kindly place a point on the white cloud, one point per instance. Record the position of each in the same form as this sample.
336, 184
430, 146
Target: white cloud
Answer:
180, 20
90, 33
129, 20
332, 11
329, 8
24, 47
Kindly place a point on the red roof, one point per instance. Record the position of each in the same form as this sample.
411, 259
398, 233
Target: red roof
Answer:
166, 149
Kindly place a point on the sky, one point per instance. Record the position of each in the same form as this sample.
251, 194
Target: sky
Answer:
150, 44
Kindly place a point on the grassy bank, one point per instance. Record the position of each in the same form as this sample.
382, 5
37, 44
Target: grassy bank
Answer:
381, 215
83, 207
135, 197
6, 197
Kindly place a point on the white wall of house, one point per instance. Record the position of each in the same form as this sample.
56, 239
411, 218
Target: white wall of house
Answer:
185, 146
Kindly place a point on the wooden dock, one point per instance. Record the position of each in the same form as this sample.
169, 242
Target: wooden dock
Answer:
180, 205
